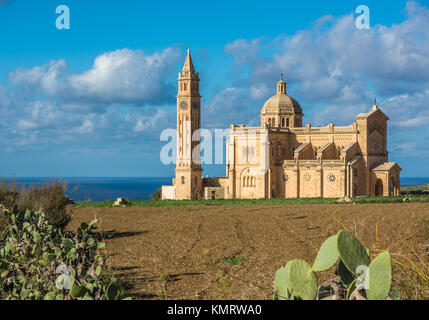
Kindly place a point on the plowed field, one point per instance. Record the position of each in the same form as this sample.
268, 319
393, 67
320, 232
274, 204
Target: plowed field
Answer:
233, 252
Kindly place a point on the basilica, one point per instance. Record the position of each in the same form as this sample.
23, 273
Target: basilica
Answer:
281, 158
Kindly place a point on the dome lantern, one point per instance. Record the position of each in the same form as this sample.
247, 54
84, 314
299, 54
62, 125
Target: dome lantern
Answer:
281, 86
281, 110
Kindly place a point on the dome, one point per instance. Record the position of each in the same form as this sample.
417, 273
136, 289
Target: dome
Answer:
281, 103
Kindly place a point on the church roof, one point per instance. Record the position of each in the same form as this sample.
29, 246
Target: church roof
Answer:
374, 109
281, 103
385, 166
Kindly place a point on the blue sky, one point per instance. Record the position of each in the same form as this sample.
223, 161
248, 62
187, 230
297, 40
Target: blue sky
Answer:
92, 100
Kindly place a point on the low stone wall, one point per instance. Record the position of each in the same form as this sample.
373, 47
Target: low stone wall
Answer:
214, 193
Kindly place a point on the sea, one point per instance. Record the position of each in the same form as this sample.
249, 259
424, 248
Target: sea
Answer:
132, 188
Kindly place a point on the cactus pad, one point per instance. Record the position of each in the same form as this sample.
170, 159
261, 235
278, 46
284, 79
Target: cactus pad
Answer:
346, 277
380, 277
327, 255
301, 281
280, 286
351, 252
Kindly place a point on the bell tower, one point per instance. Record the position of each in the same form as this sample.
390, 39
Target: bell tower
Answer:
188, 182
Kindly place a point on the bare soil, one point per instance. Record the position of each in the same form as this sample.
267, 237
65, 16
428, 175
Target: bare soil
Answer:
233, 252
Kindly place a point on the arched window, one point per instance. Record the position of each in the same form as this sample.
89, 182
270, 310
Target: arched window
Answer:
283, 122
182, 180
287, 122
379, 188
392, 188
249, 181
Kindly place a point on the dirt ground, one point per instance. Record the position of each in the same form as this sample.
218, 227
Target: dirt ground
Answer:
233, 252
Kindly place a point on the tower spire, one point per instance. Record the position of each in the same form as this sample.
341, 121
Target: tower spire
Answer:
188, 66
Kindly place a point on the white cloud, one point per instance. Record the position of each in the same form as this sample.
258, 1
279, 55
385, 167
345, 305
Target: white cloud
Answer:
4, 99
407, 147
45, 77
148, 122
119, 99
231, 105
128, 76
121, 76
86, 127
26, 125
260, 92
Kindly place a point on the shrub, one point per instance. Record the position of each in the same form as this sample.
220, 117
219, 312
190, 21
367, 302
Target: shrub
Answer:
3, 223
48, 198
157, 195
8, 193
297, 280
8, 197
39, 261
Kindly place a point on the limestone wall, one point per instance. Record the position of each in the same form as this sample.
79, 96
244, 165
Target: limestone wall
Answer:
168, 193
214, 193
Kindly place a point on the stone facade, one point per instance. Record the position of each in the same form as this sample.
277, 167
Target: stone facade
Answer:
281, 158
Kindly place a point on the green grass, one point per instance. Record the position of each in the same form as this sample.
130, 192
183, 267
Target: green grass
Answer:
243, 202
233, 261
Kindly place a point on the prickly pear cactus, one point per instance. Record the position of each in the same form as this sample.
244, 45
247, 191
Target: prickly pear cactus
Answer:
380, 277
327, 255
280, 286
346, 276
301, 281
351, 252
40, 261
360, 278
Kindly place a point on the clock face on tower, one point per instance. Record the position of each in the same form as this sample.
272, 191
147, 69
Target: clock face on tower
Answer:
183, 105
